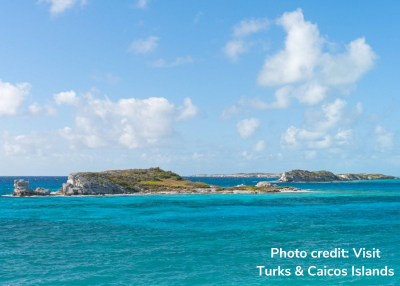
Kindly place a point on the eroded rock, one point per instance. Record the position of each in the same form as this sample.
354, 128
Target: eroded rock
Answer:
21, 189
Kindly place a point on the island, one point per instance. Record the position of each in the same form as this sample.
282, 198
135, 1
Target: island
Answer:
138, 182
241, 175
326, 176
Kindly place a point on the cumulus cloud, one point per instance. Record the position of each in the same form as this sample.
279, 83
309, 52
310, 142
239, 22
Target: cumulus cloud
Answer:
282, 100
323, 129
144, 46
59, 6
384, 139
234, 48
247, 127
303, 69
128, 123
66, 97
304, 65
333, 114
293, 136
12, 96
296, 62
239, 44
259, 146
187, 111
46, 110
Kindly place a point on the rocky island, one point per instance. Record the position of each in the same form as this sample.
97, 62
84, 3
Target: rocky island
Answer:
241, 175
138, 181
325, 176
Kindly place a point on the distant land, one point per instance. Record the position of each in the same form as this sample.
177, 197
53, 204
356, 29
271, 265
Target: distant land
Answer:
326, 176
304, 176
241, 175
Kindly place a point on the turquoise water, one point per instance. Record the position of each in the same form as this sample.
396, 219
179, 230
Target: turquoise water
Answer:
196, 239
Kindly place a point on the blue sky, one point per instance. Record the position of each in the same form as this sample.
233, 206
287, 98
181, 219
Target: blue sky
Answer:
199, 86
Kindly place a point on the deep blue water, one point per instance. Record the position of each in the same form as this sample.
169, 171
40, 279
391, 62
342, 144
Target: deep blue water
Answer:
196, 239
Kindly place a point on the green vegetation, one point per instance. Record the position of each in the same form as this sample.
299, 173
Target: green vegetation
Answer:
153, 179
325, 176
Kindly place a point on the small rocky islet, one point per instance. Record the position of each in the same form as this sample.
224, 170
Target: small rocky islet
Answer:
138, 181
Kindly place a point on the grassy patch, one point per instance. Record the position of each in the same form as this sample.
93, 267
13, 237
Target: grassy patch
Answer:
153, 179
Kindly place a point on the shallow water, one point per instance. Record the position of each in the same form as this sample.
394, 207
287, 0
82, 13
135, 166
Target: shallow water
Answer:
196, 239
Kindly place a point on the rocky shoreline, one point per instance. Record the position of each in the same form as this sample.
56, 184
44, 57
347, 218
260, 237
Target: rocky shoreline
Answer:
326, 176
139, 182
240, 175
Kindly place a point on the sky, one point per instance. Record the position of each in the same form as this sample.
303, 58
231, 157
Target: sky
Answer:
199, 87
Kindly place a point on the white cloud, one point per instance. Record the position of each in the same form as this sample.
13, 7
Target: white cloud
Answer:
348, 67
304, 65
67, 97
311, 94
197, 17
142, 4
238, 45
302, 50
249, 26
161, 63
234, 48
12, 96
234, 109
188, 110
59, 6
326, 142
333, 114
128, 123
24, 145
384, 139
144, 46
247, 155
294, 137
282, 101
259, 146
344, 136
196, 155
247, 127
45, 110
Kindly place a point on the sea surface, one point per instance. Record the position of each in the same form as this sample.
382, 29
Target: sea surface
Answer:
198, 239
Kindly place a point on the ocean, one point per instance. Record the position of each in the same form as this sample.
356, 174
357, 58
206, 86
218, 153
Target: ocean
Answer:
205, 239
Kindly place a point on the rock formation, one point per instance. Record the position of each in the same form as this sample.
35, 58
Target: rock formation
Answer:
139, 181
265, 184
21, 189
325, 176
